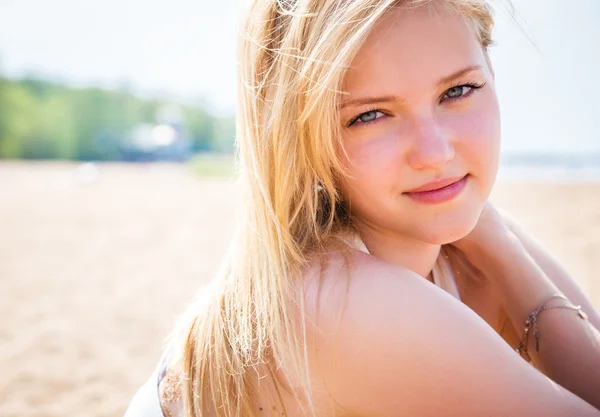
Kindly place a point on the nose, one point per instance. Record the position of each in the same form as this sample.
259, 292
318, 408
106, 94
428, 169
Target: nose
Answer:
431, 146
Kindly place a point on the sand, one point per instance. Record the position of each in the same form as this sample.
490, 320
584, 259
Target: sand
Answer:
95, 266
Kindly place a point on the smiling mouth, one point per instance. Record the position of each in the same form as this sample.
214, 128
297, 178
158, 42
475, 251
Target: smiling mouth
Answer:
438, 191
436, 185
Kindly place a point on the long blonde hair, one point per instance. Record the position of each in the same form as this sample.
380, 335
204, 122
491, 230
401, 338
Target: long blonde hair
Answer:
292, 58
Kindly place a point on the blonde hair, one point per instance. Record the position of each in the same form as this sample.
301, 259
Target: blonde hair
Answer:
292, 58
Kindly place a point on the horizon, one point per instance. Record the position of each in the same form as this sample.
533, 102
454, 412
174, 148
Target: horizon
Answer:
187, 51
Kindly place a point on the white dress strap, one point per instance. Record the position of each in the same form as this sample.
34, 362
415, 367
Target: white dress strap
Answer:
442, 273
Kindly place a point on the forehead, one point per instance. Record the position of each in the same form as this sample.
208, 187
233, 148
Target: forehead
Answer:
413, 48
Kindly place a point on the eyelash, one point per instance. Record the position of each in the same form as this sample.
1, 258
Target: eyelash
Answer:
473, 85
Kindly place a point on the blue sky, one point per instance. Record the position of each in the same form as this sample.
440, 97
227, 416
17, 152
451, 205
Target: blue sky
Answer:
549, 93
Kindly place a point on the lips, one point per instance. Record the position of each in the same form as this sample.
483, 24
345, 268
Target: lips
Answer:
435, 185
438, 191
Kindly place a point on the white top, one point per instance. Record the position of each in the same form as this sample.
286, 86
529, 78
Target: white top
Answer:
146, 401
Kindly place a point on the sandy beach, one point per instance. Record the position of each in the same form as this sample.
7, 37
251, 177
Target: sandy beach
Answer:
95, 266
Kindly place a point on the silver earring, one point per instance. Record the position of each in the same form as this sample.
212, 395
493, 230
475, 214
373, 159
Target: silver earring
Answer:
317, 187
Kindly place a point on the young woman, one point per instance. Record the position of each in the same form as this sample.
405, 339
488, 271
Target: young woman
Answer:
369, 275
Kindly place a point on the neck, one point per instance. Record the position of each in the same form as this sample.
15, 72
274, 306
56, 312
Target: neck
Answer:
416, 255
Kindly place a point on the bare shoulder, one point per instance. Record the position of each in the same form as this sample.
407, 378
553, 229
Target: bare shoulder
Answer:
387, 342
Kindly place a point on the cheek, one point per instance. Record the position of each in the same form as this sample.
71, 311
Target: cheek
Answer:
478, 140
372, 161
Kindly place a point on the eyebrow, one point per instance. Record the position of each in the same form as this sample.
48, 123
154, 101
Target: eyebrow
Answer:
383, 99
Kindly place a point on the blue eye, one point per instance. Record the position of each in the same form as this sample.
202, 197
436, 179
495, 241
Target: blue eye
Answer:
367, 117
458, 91
462, 91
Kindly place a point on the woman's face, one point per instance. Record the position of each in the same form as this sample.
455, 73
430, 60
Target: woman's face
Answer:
421, 112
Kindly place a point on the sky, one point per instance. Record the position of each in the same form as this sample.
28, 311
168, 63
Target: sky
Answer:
547, 66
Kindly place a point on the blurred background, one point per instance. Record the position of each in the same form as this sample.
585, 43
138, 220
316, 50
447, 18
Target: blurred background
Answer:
116, 176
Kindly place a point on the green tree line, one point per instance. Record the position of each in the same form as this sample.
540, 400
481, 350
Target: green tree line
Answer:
41, 119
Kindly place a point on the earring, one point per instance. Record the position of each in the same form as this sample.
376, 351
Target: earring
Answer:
317, 187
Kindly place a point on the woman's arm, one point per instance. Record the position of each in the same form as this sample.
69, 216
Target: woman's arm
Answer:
569, 346
402, 346
554, 270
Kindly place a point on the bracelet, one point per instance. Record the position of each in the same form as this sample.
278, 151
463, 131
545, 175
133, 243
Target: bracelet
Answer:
531, 319
532, 322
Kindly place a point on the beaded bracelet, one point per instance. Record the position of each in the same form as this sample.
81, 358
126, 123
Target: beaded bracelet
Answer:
532, 322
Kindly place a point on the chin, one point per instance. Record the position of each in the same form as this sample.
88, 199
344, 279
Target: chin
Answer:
450, 227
